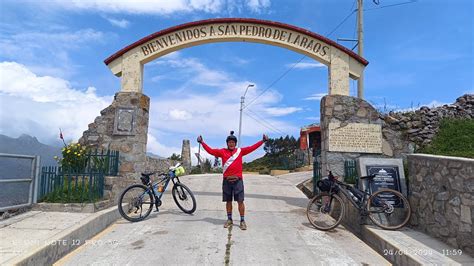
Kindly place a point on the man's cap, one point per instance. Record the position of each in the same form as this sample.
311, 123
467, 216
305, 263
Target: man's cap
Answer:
231, 137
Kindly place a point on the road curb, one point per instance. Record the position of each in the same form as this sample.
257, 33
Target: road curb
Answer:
409, 247
66, 241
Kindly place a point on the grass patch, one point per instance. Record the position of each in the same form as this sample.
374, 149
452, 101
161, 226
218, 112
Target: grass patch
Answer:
454, 138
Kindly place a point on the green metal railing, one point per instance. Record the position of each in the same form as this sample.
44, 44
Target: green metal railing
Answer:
106, 162
316, 175
350, 172
59, 184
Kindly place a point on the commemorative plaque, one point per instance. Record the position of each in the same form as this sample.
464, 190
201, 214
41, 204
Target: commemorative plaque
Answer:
389, 174
385, 177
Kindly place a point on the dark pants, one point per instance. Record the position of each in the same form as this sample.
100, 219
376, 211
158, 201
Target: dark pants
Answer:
233, 190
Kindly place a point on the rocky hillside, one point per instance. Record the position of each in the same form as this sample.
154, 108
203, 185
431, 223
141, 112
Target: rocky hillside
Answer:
420, 126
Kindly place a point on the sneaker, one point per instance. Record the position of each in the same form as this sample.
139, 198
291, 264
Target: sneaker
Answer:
228, 223
243, 225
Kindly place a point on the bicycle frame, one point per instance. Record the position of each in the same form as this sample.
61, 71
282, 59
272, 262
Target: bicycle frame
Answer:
359, 205
153, 188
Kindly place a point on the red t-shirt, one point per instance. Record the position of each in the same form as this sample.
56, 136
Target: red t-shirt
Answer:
235, 168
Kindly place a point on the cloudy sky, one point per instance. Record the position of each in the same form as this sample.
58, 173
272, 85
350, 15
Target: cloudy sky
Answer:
52, 73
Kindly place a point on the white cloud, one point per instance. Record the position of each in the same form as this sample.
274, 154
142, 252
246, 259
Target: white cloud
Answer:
303, 65
47, 53
41, 40
212, 112
396, 108
154, 146
163, 7
314, 118
40, 105
281, 111
316, 96
434, 103
258, 6
121, 23
177, 114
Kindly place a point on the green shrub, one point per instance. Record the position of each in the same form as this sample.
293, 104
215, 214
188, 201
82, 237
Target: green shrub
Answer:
71, 191
74, 157
454, 138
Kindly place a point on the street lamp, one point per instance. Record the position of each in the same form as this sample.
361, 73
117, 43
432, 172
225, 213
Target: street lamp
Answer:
242, 99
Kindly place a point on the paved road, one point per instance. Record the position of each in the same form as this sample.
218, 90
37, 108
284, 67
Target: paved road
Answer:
278, 232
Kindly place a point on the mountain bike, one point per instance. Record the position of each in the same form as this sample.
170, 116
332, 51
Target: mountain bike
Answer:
136, 201
386, 208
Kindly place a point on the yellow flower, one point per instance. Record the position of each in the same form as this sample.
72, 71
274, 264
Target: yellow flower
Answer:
78, 145
68, 151
75, 152
79, 155
63, 149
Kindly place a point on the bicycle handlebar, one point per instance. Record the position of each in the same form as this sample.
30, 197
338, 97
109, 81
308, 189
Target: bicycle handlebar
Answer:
153, 173
368, 176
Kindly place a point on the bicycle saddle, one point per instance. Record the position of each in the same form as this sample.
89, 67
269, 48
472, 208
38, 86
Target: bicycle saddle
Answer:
147, 174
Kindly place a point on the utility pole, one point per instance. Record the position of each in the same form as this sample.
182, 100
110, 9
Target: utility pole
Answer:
360, 45
242, 100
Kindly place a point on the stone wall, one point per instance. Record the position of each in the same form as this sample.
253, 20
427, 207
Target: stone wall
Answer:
416, 129
122, 126
158, 165
402, 132
343, 109
442, 197
114, 185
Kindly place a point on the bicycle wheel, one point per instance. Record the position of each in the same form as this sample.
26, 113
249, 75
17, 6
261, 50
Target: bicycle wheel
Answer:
184, 198
325, 212
389, 209
135, 203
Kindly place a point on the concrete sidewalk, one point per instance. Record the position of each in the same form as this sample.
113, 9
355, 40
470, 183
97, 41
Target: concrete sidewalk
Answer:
278, 232
41, 238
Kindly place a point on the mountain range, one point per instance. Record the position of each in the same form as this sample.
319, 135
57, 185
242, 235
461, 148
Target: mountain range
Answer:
28, 145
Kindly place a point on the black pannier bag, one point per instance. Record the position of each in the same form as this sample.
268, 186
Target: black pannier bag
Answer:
145, 180
325, 185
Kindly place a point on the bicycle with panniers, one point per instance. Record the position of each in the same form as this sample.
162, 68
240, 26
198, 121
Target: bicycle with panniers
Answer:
386, 208
136, 201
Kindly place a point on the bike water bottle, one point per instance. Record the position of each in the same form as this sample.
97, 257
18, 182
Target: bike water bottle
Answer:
353, 196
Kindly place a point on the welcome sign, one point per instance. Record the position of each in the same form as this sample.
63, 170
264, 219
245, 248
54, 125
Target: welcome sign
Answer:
342, 63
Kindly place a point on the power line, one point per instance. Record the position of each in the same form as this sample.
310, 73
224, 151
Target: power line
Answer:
274, 82
256, 120
268, 125
342, 22
264, 125
392, 5
266, 122
353, 4
301, 59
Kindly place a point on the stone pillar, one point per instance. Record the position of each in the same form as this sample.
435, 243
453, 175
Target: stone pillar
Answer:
350, 120
122, 126
186, 155
132, 74
338, 75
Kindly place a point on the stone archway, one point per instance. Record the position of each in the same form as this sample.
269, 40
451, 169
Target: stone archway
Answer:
342, 63
123, 125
